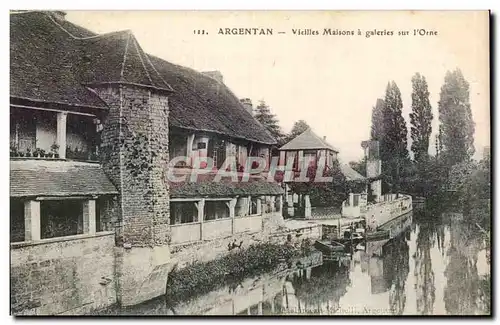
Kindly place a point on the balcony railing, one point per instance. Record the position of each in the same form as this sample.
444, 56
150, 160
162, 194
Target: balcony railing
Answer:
39, 133
213, 229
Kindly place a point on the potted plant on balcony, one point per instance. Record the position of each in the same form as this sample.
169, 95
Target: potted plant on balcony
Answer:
54, 148
69, 152
76, 154
28, 152
13, 151
42, 153
36, 153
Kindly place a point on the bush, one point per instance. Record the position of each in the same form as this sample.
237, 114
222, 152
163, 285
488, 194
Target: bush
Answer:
201, 278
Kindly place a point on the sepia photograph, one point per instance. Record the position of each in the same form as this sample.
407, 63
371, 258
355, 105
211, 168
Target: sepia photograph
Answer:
250, 163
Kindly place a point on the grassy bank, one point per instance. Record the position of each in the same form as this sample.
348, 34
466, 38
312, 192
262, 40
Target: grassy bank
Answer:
201, 278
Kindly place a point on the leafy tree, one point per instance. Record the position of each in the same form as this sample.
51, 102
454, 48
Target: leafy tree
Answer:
298, 127
269, 120
393, 143
359, 166
324, 193
420, 118
377, 129
456, 119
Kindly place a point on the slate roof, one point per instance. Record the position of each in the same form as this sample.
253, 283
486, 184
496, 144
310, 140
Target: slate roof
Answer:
54, 61
48, 64
40, 177
308, 140
203, 103
206, 186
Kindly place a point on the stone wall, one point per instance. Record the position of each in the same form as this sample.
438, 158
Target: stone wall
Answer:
134, 155
273, 231
69, 275
380, 213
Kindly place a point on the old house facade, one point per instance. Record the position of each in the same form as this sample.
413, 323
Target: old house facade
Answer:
308, 154
306, 150
95, 122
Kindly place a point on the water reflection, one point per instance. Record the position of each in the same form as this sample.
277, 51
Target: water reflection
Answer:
437, 264
464, 291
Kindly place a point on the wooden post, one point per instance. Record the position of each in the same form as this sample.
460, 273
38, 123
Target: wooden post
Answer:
200, 205
16, 139
32, 220
189, 148
300, 159
307, 206
232, 206
89, 217
259, 205
272, 203
249, 205
61, 133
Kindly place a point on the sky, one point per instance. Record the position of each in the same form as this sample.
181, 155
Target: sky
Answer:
331, 82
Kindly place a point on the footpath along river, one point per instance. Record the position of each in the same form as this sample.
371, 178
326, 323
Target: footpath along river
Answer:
438, 266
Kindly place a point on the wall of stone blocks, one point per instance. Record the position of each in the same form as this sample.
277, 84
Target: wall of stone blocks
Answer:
134, 147
184, 255
63, 276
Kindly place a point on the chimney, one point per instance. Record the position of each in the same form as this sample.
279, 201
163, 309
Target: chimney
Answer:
247, 104
217, 75
324, 138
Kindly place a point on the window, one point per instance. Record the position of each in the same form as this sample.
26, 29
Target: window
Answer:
16, 220
216, 210
355, 200
254, 201
23, 131
277, 203
241, 208
61, 218
81, 138
177, 146
183, 212
217, 151
269, 204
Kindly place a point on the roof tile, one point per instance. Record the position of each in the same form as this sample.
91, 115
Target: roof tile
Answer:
308, 140
57, 178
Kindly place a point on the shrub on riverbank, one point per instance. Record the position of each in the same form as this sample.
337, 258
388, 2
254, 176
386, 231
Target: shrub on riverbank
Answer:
201, 278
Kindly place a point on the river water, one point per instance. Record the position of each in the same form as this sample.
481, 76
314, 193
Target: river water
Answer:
438, 265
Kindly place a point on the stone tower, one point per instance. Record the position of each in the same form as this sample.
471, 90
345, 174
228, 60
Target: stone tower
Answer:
373, 167
134, 155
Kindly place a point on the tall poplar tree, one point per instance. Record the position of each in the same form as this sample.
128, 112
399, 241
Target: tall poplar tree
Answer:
378, 120
455, 115
420, 118
394, 142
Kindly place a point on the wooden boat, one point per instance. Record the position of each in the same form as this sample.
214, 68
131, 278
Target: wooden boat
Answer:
333, 250
418, 200
329, 246
378, 235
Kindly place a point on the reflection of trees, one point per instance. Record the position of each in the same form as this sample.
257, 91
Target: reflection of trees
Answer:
396, 269
465, 292
323, 290
424, 276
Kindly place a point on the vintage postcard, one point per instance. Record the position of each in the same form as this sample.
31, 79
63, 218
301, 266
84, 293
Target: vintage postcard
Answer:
250, 163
